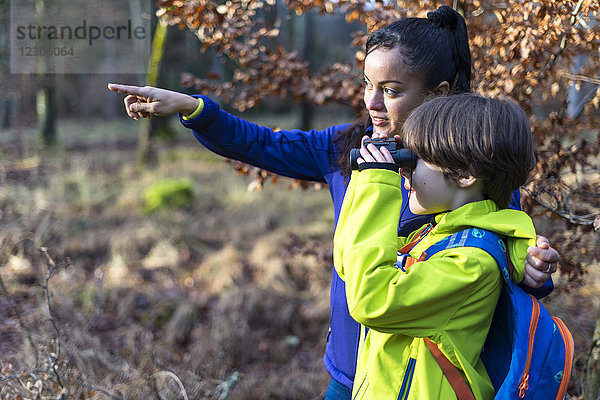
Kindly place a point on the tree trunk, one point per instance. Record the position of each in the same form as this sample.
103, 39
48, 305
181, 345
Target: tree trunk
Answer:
580, 94
47, 110
46, 94
306, 108
146, 153
7, 105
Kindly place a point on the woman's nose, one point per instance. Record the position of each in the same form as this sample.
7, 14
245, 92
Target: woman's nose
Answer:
373, 100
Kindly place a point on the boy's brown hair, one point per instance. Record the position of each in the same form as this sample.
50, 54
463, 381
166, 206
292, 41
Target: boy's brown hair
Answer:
472, 135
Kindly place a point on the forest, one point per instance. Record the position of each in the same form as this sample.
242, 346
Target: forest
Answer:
135, 263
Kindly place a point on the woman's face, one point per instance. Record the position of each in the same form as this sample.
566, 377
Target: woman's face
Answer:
392, 91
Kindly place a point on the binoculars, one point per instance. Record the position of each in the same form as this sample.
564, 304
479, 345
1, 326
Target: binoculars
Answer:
403, 158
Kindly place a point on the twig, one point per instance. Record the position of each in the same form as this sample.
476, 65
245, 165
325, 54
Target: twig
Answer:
175, 378
53, 267
580, 105
9, 383
581, 78
227, 386
5, 243
36, 378
24, 386
98, 389
34, 375
585, 220
7, 377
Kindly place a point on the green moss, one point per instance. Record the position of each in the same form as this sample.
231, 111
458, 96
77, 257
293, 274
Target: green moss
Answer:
168, 193
88, 297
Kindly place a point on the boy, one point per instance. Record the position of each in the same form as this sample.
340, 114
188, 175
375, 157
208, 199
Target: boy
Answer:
473, 152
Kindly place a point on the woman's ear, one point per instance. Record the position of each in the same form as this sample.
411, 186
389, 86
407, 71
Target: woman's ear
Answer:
442, 88
466, 182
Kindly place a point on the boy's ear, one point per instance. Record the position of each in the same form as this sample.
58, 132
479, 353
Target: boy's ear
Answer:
466, 182
442, 88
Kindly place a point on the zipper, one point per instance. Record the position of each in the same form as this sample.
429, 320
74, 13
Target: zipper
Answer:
568, 339
360, 387
406, 382
535, 315
362, 337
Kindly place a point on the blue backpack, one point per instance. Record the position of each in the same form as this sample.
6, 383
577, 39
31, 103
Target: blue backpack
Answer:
528, 354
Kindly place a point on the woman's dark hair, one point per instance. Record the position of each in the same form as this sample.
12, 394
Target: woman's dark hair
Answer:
437, 47
471, 135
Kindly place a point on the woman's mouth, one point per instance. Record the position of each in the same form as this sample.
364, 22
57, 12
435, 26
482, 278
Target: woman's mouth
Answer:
378, 121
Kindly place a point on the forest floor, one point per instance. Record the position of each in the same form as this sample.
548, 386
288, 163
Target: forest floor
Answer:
226, 297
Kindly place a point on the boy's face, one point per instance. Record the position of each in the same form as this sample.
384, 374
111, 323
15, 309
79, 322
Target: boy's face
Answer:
430, 192
392, 91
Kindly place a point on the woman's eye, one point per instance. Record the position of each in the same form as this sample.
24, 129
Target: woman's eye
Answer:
368, 85
390, 91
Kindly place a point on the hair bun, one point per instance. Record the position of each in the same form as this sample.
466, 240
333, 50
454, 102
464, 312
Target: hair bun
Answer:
444, 17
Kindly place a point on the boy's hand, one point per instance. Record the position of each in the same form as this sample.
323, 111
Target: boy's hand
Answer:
374, 154
542, 262
143, 102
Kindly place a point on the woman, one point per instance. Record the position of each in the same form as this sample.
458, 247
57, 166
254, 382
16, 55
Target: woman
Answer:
406, 62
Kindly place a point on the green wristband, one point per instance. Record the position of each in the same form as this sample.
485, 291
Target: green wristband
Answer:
196, 112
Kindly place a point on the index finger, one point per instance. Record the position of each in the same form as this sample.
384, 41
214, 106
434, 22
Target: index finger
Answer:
386, 154
543, 242
540, 258
128, 89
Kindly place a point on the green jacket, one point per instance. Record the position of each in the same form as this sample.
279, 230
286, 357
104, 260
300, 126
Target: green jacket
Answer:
450, 298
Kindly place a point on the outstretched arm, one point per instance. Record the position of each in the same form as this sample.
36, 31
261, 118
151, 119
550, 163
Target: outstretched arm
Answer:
297, 154
541, 263
143, 102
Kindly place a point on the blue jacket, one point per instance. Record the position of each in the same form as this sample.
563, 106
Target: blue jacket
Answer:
306, 155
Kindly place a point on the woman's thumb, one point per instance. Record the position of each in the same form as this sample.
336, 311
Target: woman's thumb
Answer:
136, 107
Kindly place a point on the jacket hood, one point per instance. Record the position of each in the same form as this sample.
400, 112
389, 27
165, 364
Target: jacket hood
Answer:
514, 225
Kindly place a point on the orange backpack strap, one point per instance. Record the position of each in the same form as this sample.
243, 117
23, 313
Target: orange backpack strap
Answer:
456, 380
404, 260
453, 375
412, 260
422, 233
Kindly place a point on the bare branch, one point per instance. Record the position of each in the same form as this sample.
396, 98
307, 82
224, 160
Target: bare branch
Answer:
580, 78
587, 219
99, 389
171, 375
53, 267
